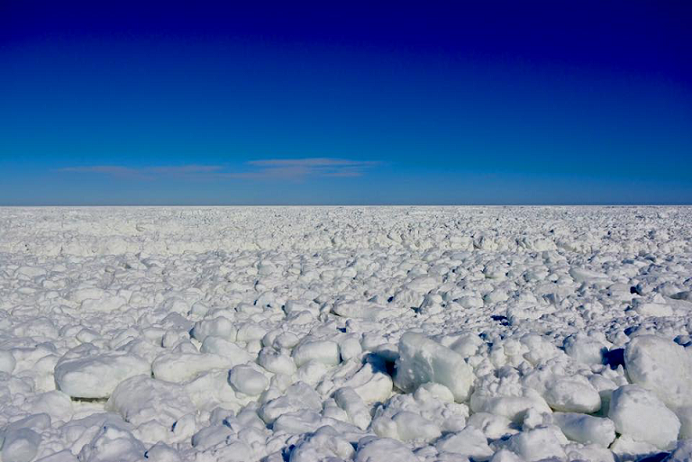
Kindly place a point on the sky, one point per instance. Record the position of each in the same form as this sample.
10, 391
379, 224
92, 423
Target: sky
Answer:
243, 103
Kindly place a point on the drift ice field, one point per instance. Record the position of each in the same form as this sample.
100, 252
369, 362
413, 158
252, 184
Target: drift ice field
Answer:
302, 334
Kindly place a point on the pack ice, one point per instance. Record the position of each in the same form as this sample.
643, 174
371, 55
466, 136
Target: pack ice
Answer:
421, 334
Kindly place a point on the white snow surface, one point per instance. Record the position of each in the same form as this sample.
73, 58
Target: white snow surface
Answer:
303, 334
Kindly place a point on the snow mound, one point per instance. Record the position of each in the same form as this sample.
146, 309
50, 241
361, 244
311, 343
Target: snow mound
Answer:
422, 360
97, 376
640, 415
661, 366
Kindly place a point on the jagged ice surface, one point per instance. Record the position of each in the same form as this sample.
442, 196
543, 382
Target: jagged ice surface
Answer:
345, 333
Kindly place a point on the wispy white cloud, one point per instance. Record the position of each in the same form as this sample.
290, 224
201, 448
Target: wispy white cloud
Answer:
146, 172
286, 169
307, 167
186, 169
312, 162
108, 169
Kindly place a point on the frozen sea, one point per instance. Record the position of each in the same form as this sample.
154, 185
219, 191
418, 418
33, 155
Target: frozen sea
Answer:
304, 334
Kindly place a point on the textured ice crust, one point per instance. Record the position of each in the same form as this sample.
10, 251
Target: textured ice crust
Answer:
421, 334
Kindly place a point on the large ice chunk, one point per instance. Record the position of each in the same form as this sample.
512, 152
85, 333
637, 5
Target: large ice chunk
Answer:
180, 367
218, 327
661, 366
638, 413
112, 443
322, 351
97, 376
141, 399
20, 445
470, 442
571, 395
229, 350
406, 426
371, 384
325, 444
360, 309
422, 360
538, 444
586, 429
7, 361
375, 449
348, 400
248, 380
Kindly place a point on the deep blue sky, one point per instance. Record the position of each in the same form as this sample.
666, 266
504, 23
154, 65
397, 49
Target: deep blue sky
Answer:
345, 102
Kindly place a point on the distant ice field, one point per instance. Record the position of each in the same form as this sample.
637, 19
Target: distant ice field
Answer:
305, 334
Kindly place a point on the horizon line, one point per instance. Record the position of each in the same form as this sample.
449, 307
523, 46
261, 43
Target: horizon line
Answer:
595, 204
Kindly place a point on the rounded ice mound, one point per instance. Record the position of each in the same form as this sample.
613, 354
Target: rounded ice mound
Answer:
181, 367
375, 449
276, 362
470, 442
97, 376
569, 395
20, 445
585, 349
325, 444
586, 429
585, 275
141, 399
414, 427
7, 362
113, 443
359, 309
229, 350
356, 410
422, 284
513, 408
107, 303
651, 308
423, 360
537, 444
322, 351
217, 327
161, 452
639, 414
247, 380
371, 384
661, 366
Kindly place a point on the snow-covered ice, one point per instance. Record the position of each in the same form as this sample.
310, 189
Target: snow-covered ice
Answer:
303, 334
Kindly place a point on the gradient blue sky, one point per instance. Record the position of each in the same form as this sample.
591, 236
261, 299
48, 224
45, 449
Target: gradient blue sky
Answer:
345, 102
